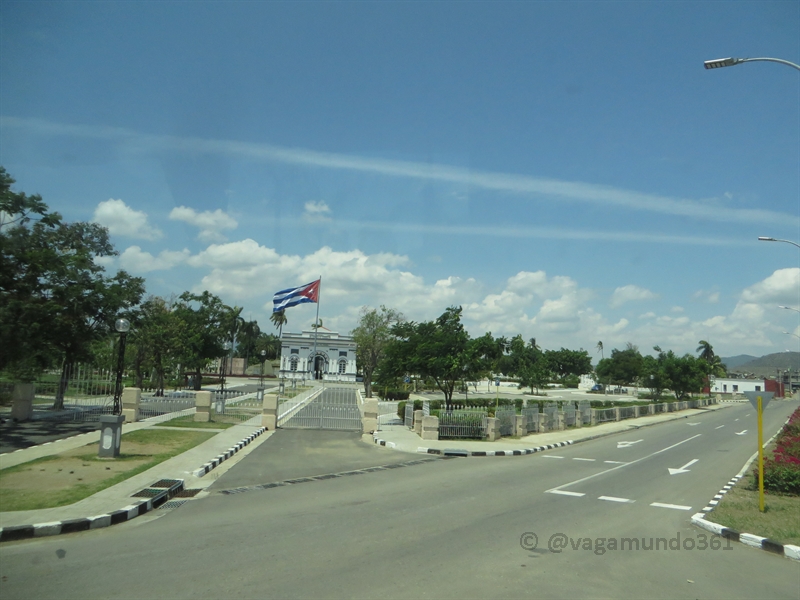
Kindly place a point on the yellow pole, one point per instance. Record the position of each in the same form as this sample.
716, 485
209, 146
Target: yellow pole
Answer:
760, 460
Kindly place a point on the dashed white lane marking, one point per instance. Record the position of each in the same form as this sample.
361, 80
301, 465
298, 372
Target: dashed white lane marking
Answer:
615, 462
692, 424
565, 493
551, 456
742, 432
586, 459
673, 506
614, 499
736, 419
720, 427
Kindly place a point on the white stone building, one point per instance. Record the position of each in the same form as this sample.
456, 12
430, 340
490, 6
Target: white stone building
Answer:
737, 386
335, 358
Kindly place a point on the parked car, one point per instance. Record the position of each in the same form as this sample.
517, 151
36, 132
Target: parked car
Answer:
597, 387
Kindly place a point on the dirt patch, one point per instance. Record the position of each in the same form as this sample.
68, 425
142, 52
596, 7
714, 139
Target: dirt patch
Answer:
65, 472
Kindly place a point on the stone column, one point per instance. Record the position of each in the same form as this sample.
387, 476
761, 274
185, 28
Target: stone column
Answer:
560, 423
269, 411
22, 402
521, 425
594, 416
616, 413
492, 430
202, 405
369, 420
542, 423
636, 412
418, 415
130, 404
430, 428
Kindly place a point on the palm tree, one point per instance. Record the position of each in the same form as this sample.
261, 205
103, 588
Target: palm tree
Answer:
600, 349
706, 351
279, 319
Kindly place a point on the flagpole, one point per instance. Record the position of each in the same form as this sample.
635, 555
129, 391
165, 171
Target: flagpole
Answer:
316, 329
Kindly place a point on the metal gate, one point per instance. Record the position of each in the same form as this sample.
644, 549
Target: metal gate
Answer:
569, 414
551, 415
334, 408
505, 420
409, 414
462, 424
532, 412
585, 409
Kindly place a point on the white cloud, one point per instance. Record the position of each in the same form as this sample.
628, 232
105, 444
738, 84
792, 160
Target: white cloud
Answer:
317, 212
121, 219
630, 293
135, 260
782, 287
210, 223
543, 189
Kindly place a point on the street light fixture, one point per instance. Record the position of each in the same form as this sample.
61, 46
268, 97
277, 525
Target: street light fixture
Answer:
122, 326
730, 61
772, 239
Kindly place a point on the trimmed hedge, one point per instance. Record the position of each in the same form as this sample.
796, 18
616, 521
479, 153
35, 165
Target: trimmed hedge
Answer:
782, 470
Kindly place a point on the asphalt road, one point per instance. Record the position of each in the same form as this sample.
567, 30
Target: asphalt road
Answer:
439, 529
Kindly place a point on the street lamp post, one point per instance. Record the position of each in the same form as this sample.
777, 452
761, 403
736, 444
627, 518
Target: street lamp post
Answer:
730, 61
263, 359
226, 346
122, 326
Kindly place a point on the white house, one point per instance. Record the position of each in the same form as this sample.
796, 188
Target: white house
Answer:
335, 358
737, 386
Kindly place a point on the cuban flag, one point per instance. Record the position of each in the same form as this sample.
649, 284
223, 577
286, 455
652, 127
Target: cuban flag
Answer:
294, 296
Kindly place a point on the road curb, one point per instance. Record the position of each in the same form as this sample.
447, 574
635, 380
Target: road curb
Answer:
126, 513
210, 466
748, 539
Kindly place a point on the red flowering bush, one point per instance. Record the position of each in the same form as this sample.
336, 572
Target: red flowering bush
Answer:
782, 470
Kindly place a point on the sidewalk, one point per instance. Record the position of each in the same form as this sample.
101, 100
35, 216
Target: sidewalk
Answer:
404, 439
100, 509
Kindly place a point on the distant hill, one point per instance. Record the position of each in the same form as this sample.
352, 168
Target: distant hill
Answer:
767, 366
734, 361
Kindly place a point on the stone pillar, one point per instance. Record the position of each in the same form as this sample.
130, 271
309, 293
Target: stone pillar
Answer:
616, 413
130, 404
560, 422
269, 411
542, 423
521, 425
22, 402
492, 430
202, 405
369, 420
636, 412
418, 415
430, 428
594, 416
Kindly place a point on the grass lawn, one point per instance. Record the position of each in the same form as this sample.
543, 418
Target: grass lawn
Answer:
738, 510
188, 421
71, 476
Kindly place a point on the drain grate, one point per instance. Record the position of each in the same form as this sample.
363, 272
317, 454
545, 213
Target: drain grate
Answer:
172, 504
188, 493
165, 483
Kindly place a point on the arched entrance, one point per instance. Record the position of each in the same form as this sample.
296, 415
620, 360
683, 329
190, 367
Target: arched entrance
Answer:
319, 366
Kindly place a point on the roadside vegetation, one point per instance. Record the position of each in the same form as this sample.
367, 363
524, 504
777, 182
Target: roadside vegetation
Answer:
739, 508
71, 476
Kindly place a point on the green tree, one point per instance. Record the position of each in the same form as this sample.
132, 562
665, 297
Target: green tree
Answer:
372, 335
622, 368
685, 373
529, 364
159, 338
56, 301
207, 325
654, 375
247, 347
432, 349
565, 362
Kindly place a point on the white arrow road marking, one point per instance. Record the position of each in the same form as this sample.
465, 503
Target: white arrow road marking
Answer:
692, 424
675, 506
684, 468
633, 462
627, 444
614, 499
565, 493
720, 427
742, 432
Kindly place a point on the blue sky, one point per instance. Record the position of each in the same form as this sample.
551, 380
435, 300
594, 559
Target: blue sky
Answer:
567, 171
